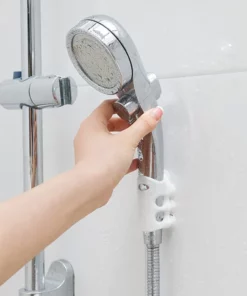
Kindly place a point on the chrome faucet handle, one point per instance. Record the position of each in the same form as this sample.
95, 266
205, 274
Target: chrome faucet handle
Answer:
38, 92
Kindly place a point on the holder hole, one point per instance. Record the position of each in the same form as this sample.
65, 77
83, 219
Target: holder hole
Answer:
143, 187
160, 216
160, 201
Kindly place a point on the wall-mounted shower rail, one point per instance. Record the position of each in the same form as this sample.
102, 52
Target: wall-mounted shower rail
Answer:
32, 124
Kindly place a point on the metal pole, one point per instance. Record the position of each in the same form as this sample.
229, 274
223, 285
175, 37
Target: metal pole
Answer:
32, 124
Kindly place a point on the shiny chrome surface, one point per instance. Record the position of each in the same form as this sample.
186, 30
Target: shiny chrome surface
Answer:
106, 57
33, 175
59, 281
153, 271
90, 46
38, 92
153, 239
32, 125
127, 107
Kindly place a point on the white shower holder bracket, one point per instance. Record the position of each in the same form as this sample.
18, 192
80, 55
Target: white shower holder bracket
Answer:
157, 203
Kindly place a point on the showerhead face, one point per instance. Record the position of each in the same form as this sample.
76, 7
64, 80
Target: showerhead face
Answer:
99, 56
96, 62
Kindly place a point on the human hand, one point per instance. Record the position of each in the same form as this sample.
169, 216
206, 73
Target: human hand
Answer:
108, 157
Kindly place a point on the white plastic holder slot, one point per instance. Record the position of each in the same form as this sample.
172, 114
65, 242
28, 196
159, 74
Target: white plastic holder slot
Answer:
156, 215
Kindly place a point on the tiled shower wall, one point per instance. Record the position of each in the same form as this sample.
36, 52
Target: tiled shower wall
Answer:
199, 51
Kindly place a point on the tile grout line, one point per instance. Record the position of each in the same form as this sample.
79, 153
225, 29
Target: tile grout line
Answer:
187, 76
203, 74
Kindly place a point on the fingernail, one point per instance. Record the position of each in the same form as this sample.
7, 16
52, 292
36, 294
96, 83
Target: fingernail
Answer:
157, 112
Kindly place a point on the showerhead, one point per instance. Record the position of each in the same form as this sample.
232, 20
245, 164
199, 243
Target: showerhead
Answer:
106, 57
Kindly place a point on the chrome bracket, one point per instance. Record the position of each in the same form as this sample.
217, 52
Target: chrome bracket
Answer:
59, 281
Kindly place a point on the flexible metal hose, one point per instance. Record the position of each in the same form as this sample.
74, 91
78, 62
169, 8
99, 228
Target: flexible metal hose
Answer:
152, 241
153, 271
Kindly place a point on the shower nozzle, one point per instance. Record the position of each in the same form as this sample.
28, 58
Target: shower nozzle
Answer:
105, 56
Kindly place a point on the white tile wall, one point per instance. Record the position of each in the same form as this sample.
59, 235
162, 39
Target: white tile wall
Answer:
175, 38
205, 126
10, 38
205, 146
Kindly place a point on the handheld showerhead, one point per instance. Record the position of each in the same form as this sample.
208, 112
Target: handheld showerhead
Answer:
105, 56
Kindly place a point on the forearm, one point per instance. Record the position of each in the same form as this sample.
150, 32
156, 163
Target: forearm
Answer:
30, 222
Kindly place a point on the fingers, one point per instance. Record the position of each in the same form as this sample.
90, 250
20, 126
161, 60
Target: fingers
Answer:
104, 112
134, 166
117, 125
143, 126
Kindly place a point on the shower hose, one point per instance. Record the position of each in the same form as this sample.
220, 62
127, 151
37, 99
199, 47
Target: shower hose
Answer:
153, 270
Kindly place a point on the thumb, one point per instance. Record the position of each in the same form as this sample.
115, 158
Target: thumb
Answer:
144, 125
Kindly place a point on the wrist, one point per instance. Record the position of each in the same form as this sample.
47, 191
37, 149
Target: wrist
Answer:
94, 188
